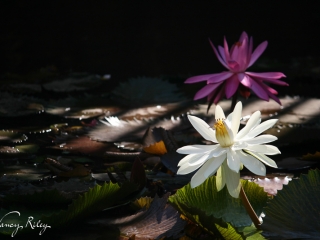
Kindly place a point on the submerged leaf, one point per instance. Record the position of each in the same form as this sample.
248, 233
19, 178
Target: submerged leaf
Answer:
295, 211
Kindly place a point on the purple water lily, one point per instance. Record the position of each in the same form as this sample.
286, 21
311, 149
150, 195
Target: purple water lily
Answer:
237, 60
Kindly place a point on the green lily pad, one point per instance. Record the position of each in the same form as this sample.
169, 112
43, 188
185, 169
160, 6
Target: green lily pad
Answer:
220, 204
295, 211
93, 201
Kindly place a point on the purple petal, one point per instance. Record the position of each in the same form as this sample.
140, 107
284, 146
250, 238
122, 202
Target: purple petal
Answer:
249, 51
206, 90
219, 77
243, 55
271, 90
259, 90
234, 52
277, 82
226, 49
218, 56
267, 75
271, 93
232, 85
233, 66
222, 53
243, 36
257, 52
274, 98
244, 79
199, 78
220, 94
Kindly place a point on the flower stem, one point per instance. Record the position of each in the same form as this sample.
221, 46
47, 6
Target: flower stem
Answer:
249, 209
234, 101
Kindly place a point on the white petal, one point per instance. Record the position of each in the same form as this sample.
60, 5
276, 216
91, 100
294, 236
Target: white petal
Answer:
191, 149
221, 177
252, 164
265, 149
199, 176
187, 158
219, 114
233, 160
255, 117
213, 166
239, 145
229, 129
261, 128
200, 160
203, 128
233, 182
186, 168
236, 115
261, 139
229, 118
218, 151
263, 158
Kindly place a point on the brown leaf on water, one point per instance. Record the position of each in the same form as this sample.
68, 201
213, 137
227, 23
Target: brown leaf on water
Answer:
143, 202
138, 174
78, 171
157, 148
158, 221
159, 141
311, 157
63, 170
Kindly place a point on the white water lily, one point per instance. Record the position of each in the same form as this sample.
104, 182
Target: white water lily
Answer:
233, 149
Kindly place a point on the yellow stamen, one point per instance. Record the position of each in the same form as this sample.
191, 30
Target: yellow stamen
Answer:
222, 134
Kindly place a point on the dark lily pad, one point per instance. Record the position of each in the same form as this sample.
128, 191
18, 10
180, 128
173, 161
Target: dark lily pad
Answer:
74, 82
11, 105
10, 136
115, 130
297, 201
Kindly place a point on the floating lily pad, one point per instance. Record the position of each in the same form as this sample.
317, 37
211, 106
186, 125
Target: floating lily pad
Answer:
78, 113
11, 105
220, 204
158, 221
10, 136
297, 201
115, 130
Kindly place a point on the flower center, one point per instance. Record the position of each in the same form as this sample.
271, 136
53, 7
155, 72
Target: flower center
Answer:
222, 133
238, 44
